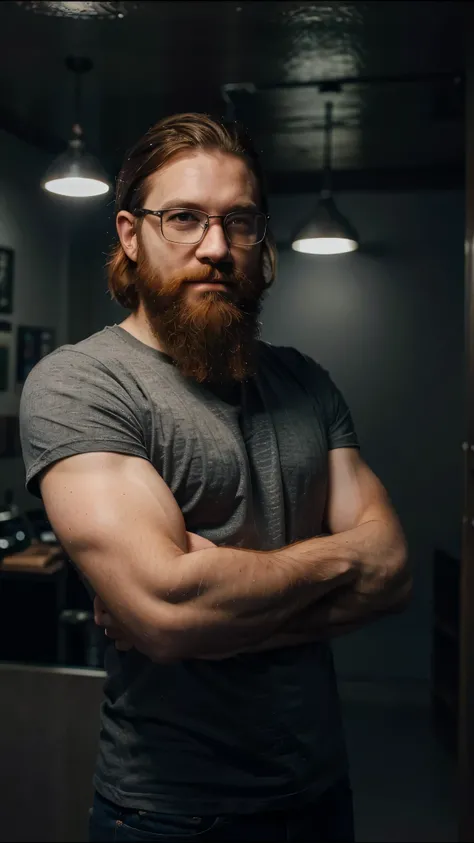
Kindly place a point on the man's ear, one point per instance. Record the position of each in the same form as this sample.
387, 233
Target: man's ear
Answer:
268, 263
126, 231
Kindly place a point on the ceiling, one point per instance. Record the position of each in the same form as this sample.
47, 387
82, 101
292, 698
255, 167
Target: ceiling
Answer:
399, 113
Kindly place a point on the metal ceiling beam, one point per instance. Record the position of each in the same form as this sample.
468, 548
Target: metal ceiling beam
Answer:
326, 85
393, 179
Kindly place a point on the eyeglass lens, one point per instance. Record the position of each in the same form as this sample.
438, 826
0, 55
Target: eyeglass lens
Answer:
244, 228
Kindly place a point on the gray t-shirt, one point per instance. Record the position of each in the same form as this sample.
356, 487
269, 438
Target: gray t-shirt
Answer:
249, 733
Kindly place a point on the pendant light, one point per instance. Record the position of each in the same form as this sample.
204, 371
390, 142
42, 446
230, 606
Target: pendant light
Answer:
327, 232
75, 173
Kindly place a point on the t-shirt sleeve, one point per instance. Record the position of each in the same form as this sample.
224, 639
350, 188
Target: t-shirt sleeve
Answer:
73, 404
340, 428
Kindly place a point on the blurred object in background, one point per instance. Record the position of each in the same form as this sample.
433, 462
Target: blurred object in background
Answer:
15, 532
82, 642
41, 527
46, 614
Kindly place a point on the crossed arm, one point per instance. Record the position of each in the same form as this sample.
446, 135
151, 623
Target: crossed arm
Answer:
176, 596
358, 510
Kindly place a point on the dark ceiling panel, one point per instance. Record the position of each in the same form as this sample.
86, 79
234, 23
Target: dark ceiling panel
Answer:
400, 107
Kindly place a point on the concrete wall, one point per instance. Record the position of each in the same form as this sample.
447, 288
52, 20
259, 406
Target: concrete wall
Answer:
388, 323
34, 225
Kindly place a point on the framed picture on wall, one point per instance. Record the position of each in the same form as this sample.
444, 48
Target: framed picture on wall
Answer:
32, 345
5, 349
6, 280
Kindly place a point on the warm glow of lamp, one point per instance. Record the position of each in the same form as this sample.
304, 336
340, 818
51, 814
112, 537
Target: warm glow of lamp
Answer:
75, 172
327, 232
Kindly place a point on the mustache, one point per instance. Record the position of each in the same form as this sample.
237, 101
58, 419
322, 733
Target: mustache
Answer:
203, 275
166, 291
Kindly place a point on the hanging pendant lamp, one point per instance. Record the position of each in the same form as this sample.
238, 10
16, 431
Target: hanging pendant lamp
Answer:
75, 173
327, 232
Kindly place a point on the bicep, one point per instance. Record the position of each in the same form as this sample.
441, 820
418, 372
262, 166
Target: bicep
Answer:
120, 524
355, 494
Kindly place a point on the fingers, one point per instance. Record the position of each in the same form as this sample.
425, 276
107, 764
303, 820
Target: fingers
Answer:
116, 635
123, 646
100, 611
97, 611
107, 620
196, 542
121, 642
103, 619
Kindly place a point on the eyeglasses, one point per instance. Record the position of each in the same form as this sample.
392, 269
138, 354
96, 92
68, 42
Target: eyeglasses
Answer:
188, 227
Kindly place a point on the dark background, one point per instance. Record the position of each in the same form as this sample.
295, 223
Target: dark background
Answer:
387, 321
399, 113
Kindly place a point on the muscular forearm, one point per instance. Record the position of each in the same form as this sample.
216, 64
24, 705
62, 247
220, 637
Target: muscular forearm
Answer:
382, 586
341, 612
228, 600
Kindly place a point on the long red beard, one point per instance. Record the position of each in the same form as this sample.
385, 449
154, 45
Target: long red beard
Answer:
210, 339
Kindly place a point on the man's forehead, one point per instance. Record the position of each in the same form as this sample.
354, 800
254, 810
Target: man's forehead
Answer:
203, 174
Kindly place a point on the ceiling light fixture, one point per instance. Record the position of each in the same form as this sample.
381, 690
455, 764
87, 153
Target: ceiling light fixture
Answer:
75, 173
76, 9
327, 232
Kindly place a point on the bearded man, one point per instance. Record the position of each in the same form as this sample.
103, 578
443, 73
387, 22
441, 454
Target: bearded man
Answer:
210, 489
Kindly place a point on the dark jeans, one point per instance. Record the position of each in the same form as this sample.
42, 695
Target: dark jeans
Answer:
328, 819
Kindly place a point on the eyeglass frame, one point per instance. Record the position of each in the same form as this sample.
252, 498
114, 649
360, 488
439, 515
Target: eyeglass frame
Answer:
144, 212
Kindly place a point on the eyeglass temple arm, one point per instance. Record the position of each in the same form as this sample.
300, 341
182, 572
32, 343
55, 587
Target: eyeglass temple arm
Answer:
143, 212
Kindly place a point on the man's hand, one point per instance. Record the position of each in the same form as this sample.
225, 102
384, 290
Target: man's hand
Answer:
103, 618
106, 620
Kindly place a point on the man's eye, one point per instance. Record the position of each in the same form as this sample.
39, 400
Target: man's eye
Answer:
242, 221
183, 217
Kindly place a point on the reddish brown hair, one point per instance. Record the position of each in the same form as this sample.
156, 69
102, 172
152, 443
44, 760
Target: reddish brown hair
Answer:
153, 151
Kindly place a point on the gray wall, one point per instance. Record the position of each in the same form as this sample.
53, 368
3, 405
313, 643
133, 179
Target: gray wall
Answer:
388, 324
92, 235
34, 226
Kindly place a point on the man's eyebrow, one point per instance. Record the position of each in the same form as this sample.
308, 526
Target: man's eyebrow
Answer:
179, 203
244, 206
194, 206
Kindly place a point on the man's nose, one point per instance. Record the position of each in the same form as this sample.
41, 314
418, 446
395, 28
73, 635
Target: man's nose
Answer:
214, 246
